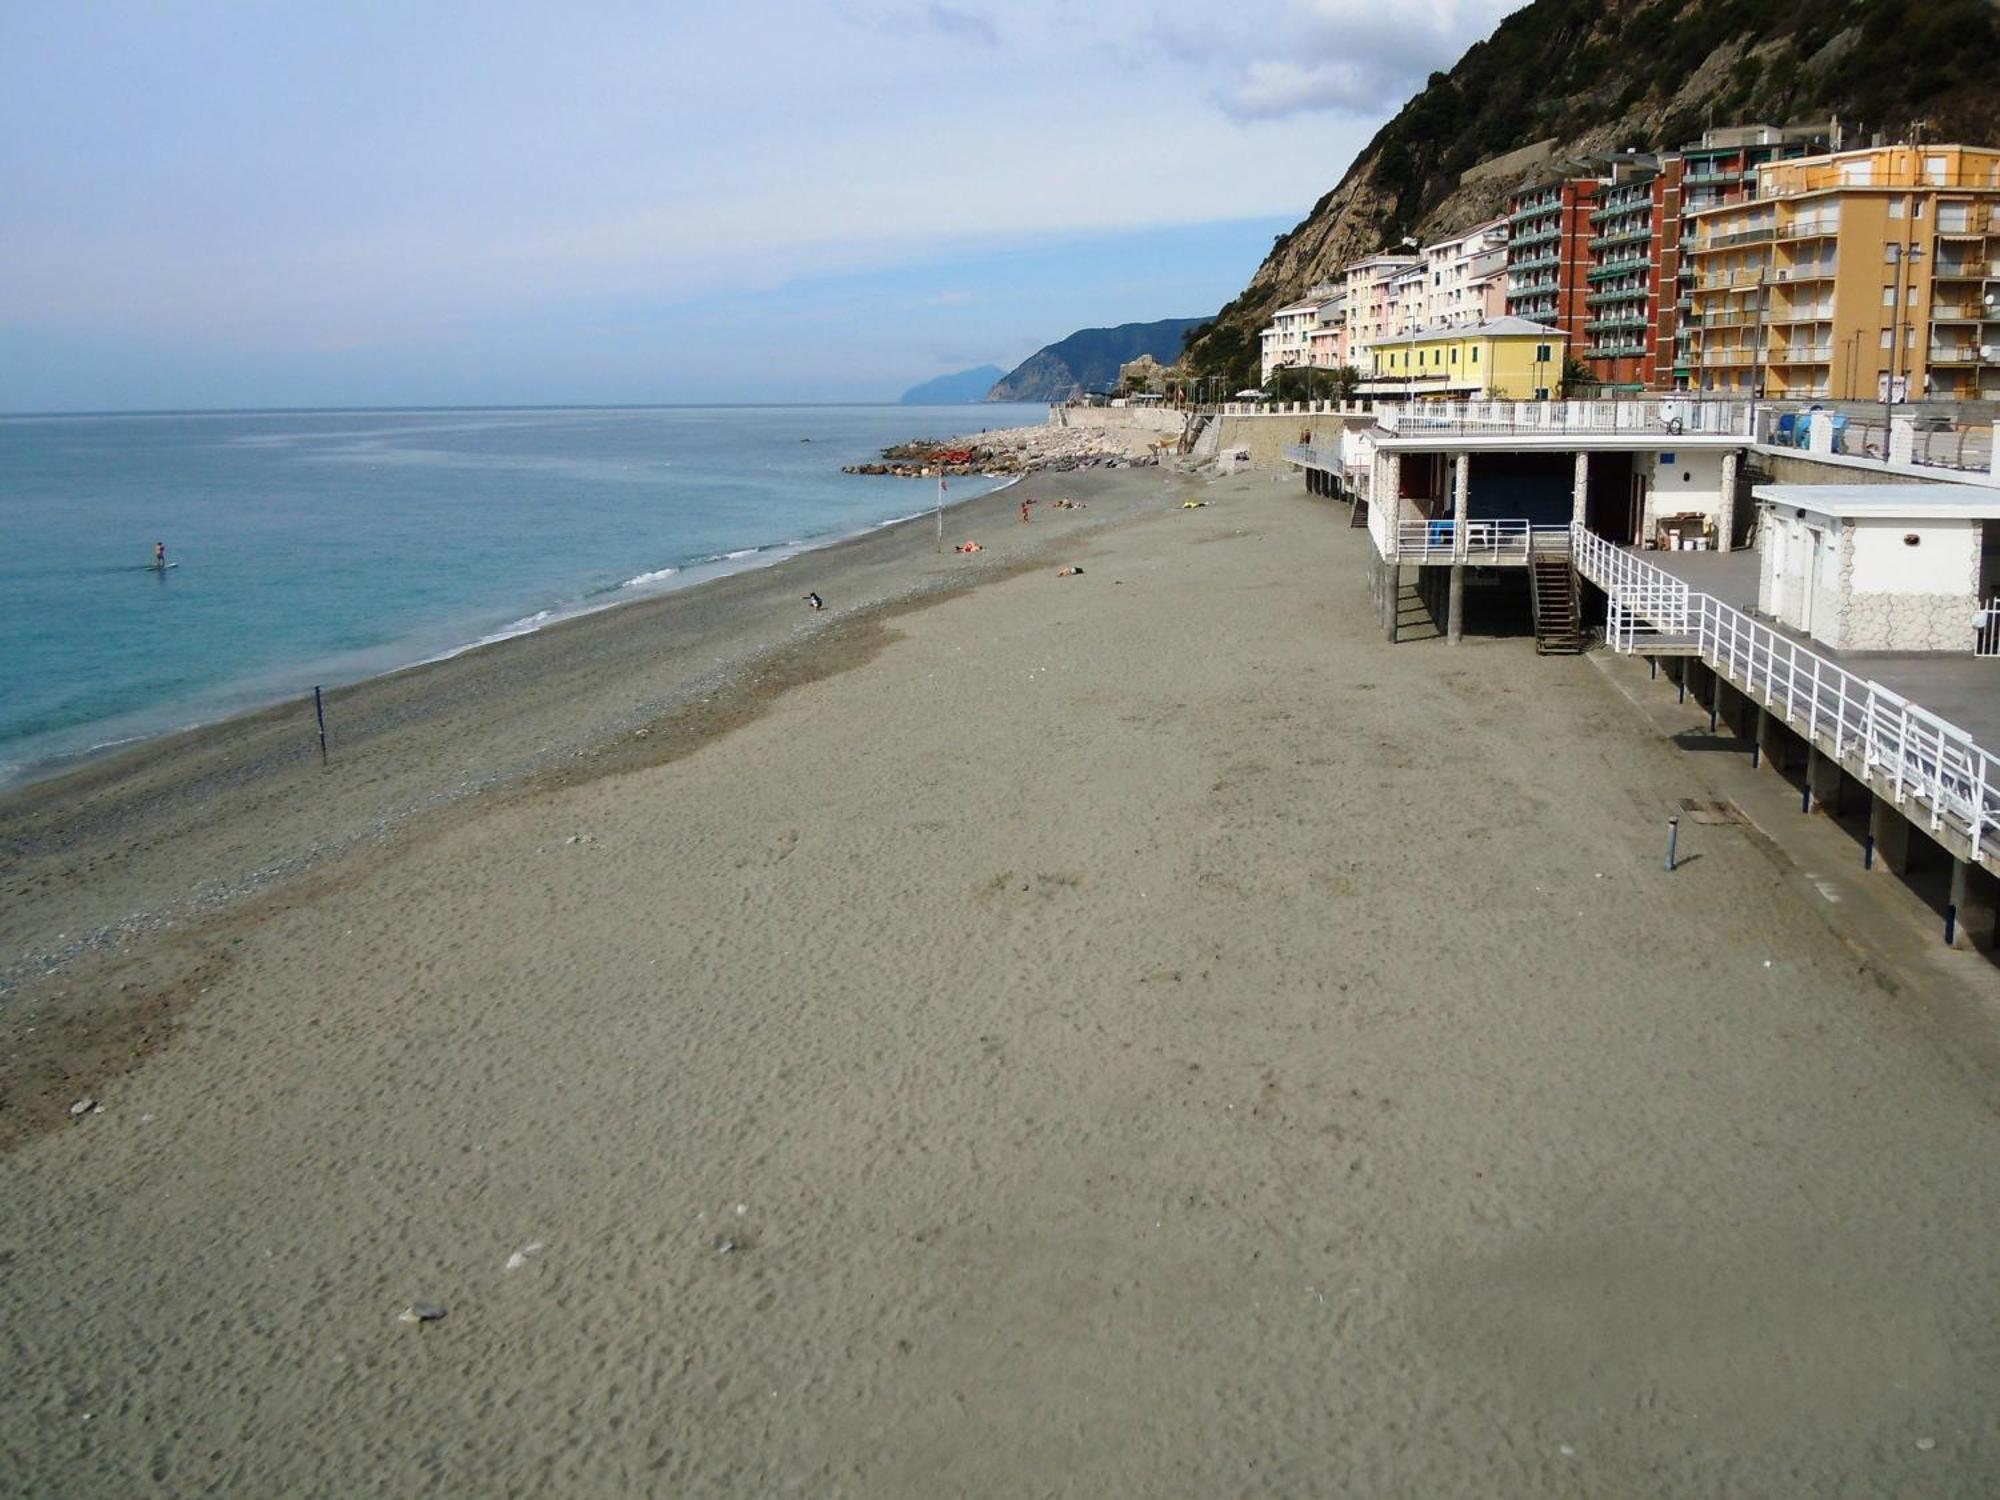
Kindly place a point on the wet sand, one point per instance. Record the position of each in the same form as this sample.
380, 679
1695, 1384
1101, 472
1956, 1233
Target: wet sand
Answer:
1133, 1034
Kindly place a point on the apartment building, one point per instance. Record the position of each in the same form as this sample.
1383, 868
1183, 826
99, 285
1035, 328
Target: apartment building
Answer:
1635, 254
1286, 341
1870, 274
1327, 345
1510, 358
1371, 302
1457, 273
1548, 252
1718, 170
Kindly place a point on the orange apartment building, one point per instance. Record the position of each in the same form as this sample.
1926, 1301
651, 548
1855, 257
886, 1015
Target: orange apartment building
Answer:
1862, 275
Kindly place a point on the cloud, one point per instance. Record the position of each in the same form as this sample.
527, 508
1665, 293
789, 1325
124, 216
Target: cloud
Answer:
1350, 55
953, 21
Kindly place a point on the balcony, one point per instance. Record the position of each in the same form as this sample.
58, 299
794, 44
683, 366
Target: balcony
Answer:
1711, 179
1762, 235
1637, 293
1803, 273
1726, 317
1959, 354
1614, 351
1728, 279
1622, 237
1810, 226
1540, 235
1612, 268
1974, 223
1535, 208
1726, 358
1958, 269
1962, 312
1610, 325
1535, 262
1807, 354
1821, 314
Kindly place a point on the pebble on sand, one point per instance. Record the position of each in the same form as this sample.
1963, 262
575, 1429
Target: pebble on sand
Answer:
421, 1312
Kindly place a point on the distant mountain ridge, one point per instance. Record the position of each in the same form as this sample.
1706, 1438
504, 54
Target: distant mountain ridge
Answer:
1560, 79
1089, 359
953, 390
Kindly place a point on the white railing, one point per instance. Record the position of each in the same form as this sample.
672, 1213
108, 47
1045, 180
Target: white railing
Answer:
1986, 629
1487, 543
1909, 754
1670, 415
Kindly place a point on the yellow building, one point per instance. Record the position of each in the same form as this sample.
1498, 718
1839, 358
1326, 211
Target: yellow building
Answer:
1854, 276
1510, 358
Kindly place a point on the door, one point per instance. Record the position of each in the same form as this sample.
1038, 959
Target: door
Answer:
1815, 543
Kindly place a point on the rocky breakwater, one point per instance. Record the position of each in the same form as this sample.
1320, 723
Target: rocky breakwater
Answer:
1019, 450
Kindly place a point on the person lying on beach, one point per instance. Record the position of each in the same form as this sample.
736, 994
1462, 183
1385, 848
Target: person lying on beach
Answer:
1193, 504
968, 547
1069, 572
816, 602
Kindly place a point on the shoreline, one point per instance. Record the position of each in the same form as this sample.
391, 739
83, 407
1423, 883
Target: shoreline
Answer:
245, 699
434, 732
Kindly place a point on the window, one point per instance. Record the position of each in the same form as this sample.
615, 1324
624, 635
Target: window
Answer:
1891, 253
1896, 208
1888, 340
1889, 294
1475, 354
1454, 354
1541, 351
1857, 173
1953, 218
1935, 169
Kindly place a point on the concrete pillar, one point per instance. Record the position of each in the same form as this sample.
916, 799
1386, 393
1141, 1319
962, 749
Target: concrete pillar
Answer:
1773, 739
1889, 835
1392, 599
1822, 780
1725, 520
1819, 432
1579, 490
1974, 913
1902, 440
1461, 508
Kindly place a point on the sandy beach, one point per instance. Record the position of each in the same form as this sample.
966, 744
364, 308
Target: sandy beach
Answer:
1133, 1033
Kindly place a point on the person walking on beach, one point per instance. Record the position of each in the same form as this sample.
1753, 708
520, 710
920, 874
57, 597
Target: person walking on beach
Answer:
1024, 511
817, 604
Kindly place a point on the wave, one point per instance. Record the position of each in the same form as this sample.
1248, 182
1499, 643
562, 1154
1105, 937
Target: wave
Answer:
658, 575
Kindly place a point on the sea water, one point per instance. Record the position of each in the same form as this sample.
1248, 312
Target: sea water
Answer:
324, 547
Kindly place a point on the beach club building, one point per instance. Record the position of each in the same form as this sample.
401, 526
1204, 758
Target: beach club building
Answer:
1879, 567
1509, 358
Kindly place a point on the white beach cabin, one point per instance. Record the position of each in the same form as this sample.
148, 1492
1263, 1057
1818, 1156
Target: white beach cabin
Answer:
1879, 567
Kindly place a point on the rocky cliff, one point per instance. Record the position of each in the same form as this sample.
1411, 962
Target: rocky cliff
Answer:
1089, 359
1571, 77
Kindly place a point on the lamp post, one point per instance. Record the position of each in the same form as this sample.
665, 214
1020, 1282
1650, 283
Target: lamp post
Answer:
1903, 255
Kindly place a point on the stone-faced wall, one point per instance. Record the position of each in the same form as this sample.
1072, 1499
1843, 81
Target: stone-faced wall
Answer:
1908, 585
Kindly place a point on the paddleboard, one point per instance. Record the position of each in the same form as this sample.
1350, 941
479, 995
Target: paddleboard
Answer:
156, 567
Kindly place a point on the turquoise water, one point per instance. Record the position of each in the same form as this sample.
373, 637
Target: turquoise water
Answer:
323, 547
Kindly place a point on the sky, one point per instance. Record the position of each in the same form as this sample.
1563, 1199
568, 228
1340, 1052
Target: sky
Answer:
279, 204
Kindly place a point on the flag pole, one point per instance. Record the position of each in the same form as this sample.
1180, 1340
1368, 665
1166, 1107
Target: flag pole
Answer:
940, 510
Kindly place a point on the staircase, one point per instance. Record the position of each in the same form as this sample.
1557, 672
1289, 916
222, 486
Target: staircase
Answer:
1558, 611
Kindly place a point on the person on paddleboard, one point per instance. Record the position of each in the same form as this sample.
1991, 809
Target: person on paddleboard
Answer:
160, 555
